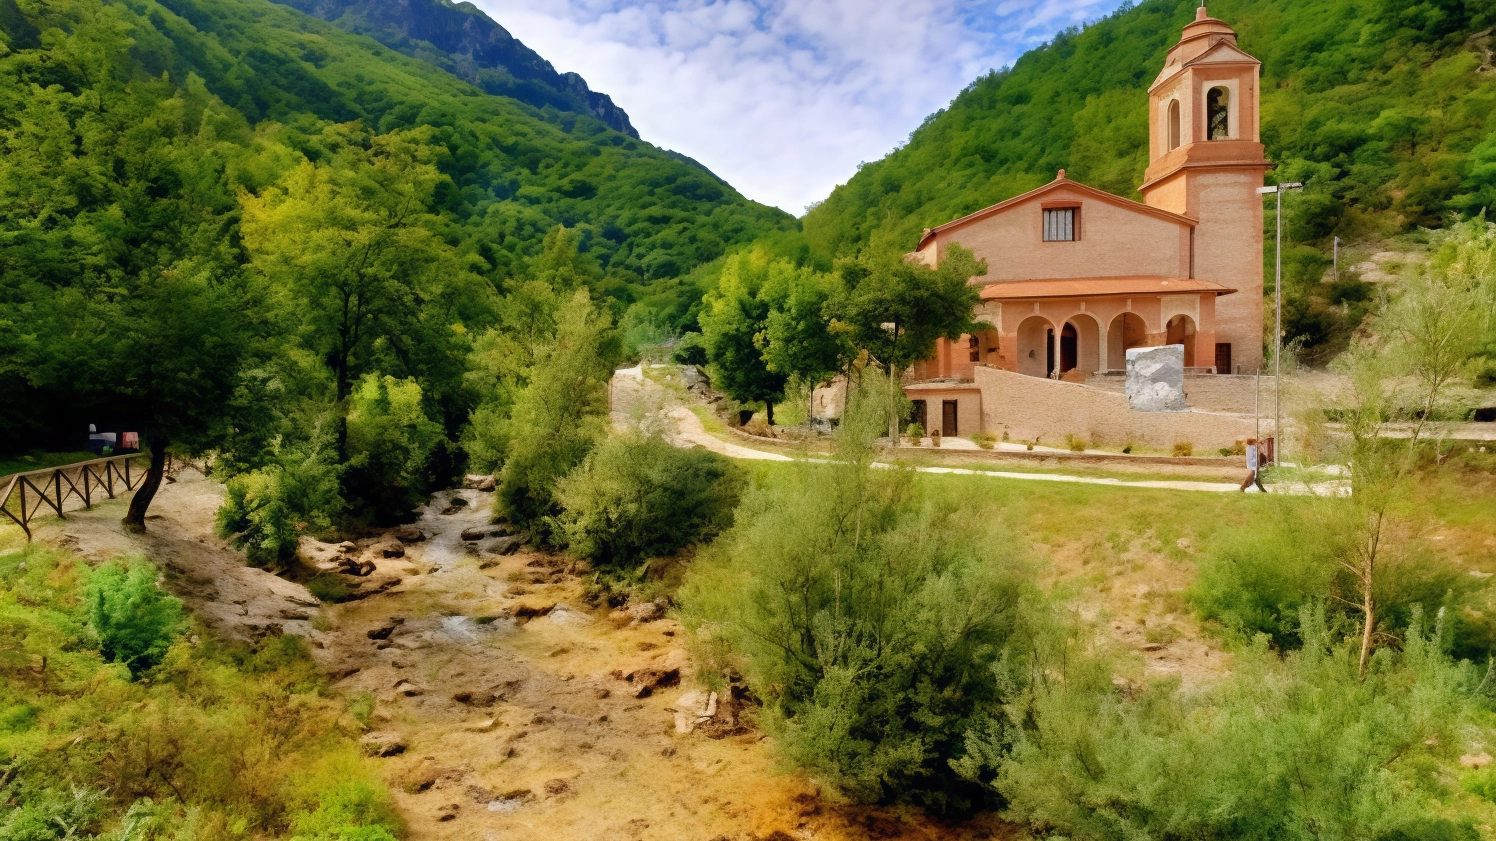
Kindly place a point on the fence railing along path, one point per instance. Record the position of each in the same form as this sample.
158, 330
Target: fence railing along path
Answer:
70, 487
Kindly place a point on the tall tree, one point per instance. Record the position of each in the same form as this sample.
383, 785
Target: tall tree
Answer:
797, 339
733, 318
895, 308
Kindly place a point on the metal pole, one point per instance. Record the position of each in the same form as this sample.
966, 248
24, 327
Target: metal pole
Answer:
1278, 333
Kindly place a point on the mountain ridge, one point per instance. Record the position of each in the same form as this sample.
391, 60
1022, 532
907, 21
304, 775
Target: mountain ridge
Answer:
464, 41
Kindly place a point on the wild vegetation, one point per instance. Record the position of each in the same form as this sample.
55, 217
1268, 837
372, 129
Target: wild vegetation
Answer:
1383, 108
115, 724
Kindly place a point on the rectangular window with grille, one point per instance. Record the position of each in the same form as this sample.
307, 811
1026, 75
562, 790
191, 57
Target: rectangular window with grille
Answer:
1059, 224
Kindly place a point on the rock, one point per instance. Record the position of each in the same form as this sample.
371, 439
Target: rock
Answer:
409, 534
480, 795
388, 549
525, 611
510, 801
481, 726
1479, 760
359, 568
646, 612
647, 680
620, 618
569, 617
1155, 379
1153, 646
383, 631
475, 533
504, 545
556, 787
347, 547
690, 707
447, 813
408, 689
382, 743
487, 485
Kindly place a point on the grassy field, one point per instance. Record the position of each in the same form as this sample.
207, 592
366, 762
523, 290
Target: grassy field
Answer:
38, 460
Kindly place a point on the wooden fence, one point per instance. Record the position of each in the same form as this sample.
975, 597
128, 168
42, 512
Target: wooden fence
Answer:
53, 488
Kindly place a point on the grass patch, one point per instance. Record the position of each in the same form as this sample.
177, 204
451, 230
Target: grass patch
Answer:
39, 460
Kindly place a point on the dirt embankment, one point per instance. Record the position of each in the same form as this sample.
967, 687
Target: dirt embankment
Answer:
504, 704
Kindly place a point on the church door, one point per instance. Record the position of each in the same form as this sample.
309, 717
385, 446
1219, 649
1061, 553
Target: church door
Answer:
948, 419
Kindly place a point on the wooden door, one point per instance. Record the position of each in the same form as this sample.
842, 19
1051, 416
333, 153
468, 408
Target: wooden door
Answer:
1223, 357
948, 418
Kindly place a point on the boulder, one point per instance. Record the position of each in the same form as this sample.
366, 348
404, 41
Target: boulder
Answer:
474, 533
1155, 379
409, 534
388, 627
382, 743
645, 681
388, 549
504, 545
646, 612
487, 485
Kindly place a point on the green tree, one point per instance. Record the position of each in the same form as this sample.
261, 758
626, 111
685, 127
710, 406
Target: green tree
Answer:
559, 415
895, 308
797, 339
134, 620
733, 319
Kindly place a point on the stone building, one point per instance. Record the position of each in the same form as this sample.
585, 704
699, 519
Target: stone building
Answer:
1077, 276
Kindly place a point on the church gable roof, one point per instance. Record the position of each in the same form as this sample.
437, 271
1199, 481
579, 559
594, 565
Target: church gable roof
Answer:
1060, 182
1223, 52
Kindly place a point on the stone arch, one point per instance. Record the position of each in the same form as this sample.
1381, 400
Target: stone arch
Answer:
1090, 342
1218, 113
1181, 331
1036, 348
1126, 332
1172, 127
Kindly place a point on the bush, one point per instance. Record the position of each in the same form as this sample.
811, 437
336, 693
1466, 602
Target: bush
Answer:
1183, 449
1295, 748
390, 446
984, 440
135, 621
878, 622
916, 433
267, 510
558, 417
640, 497
1075, 444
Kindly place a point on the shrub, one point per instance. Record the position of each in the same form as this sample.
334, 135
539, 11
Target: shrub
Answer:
1183, 449
984, 440
641, 497
558, 417
1075, 444
390, 445
267, 510
916, 433
1292, 748
135, 621
878, 621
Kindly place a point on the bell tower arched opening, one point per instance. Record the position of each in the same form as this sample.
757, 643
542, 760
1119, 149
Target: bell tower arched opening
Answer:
1218, 114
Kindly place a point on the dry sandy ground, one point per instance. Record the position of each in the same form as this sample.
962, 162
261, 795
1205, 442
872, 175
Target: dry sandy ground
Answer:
503, 687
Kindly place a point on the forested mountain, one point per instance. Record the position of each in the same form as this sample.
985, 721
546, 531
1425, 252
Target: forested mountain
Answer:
1385, 108
466, 43
204, 201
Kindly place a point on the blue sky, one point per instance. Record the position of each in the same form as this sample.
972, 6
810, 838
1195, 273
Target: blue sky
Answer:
783, 98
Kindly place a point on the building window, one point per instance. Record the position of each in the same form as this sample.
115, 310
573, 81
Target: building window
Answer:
1059, 224
974, 345
1217, 114
1173, 125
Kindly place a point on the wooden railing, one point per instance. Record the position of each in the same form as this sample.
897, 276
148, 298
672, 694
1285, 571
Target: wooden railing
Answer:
53, 488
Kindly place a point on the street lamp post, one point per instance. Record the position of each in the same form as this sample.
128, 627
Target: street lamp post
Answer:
1278, 190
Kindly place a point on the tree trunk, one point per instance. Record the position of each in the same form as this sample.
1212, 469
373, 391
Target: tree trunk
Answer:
769, 412
1368, 608
134, 520
893, 406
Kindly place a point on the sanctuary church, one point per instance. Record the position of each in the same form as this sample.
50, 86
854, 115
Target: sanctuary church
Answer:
1077, 276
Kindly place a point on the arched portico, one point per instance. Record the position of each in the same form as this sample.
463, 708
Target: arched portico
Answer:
1090, 343
1181, 331
1036, 347
1126, 332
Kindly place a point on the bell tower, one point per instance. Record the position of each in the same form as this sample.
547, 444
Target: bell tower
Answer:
1205, 161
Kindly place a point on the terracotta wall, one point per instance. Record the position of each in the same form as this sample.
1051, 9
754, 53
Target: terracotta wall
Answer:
1028, 408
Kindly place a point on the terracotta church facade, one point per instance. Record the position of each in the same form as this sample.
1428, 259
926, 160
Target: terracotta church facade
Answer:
1077, 276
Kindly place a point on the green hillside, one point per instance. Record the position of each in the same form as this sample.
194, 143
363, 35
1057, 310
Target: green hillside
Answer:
1385, 108
140, 139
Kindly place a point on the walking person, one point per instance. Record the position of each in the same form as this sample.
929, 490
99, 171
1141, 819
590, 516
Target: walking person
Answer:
1252, 477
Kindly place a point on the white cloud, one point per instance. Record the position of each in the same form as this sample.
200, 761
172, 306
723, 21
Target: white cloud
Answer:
783, 98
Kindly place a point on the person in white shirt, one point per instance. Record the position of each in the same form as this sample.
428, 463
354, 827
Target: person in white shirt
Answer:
1252, 477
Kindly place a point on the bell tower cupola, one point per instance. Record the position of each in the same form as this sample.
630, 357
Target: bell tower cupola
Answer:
1205, 161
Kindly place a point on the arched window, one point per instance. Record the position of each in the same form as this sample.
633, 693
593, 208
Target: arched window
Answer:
1217, 114
1173, 125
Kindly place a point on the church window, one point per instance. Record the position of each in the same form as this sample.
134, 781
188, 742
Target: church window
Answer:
1173, 125
1217, 114
1059, 224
